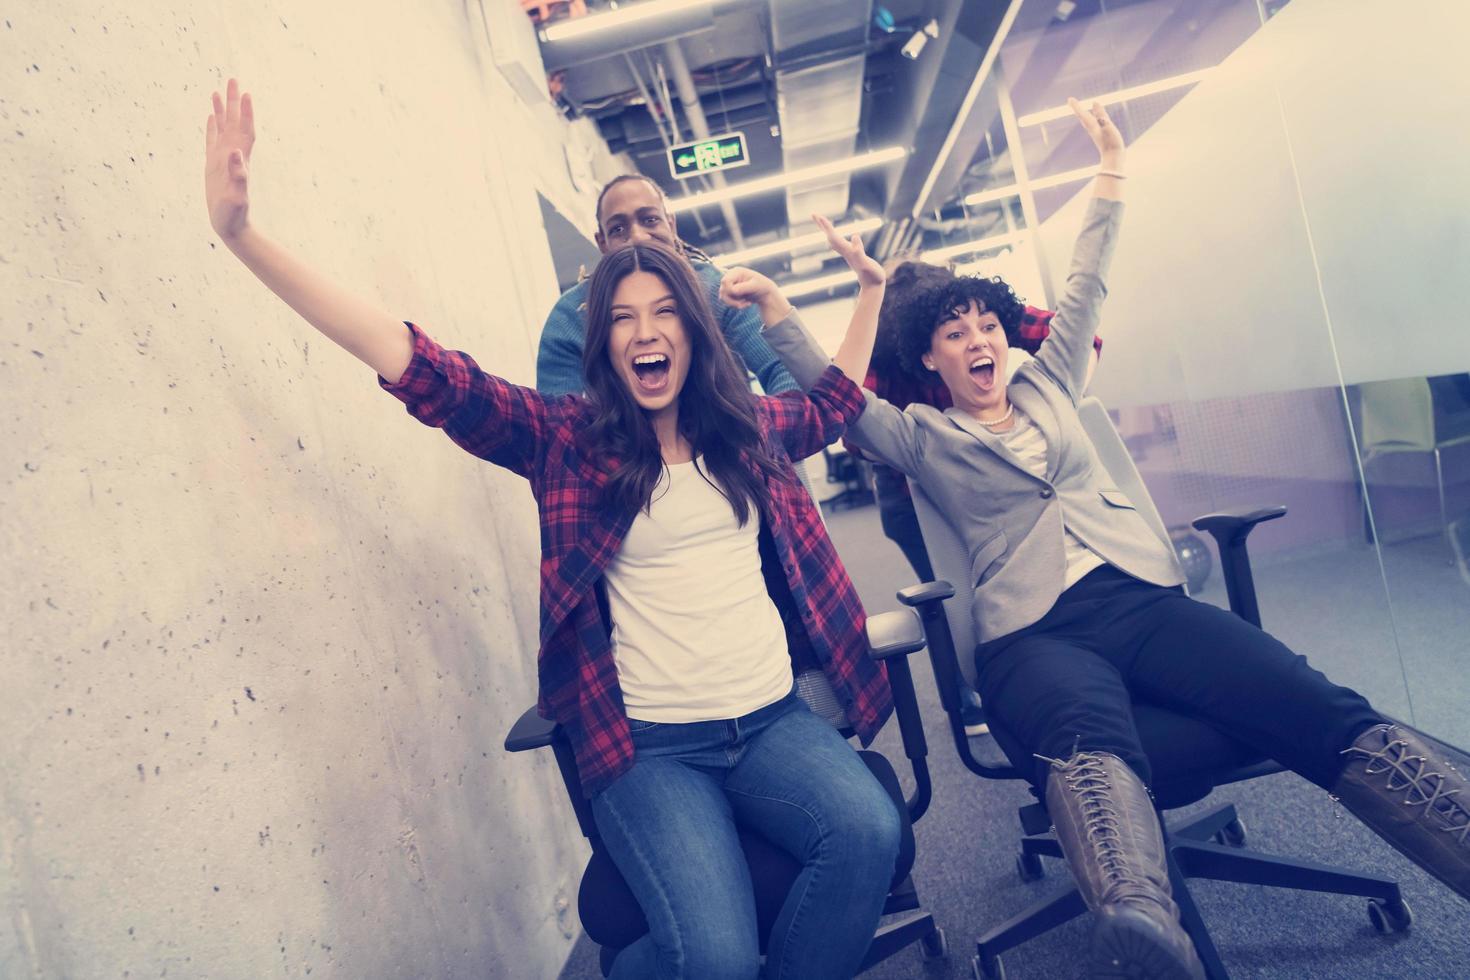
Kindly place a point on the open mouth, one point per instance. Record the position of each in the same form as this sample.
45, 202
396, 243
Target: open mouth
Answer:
982, 369
652, 371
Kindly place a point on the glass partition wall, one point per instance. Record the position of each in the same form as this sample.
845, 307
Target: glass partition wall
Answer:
1283, 323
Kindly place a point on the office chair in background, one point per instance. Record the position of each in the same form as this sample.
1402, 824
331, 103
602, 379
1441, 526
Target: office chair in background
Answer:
1401, 416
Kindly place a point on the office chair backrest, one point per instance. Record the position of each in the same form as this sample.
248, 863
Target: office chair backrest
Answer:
813, 687
1398, 416
951, 564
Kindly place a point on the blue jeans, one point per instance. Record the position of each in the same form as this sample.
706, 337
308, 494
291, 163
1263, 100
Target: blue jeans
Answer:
669, 826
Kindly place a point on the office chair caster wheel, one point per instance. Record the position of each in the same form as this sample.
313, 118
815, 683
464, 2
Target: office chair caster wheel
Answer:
996, 970
1029, 867
1232, 834
935, 945
1390, 917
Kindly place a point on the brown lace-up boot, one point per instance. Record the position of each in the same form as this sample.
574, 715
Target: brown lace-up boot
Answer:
1109, 833
1402, 788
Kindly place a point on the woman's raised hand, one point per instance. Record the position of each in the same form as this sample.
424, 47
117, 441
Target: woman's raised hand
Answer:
1104, 134
869, 271
229, 136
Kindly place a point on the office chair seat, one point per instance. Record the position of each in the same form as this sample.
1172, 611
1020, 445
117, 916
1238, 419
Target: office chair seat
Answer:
613, 919
1191, 757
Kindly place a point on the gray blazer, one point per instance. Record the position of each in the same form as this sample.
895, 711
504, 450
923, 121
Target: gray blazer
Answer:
1012, 521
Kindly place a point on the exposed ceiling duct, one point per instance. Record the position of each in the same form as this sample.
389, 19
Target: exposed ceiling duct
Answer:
619, 34
820, 106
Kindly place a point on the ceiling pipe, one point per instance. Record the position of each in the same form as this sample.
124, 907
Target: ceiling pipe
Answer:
621, 34
694, 112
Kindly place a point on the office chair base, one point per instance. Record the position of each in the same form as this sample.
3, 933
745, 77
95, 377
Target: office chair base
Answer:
1193, 853
994, 969
935, 946
889, 939
1388, 918
900, 932
1029, 866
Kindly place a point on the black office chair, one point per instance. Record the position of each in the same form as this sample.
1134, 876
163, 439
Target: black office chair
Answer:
1189, 758
848, 471
609, 913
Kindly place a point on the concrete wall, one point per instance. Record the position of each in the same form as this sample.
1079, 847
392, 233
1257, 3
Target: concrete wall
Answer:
264, 633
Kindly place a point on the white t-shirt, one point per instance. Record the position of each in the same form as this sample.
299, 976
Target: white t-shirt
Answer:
695, 634
1027, 442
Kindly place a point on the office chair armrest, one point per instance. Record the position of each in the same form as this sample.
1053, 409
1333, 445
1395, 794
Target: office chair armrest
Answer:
918, 595
895, 634
927, 600
892, 636
530, 731
1230, 528
1226, 526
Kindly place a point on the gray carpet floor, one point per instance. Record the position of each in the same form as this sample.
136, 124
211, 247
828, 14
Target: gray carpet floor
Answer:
967, 842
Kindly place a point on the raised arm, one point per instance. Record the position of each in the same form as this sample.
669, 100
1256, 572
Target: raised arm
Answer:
742, 330
370, 334
881, 431
741, 325
1067, 353
492, 418
743, 288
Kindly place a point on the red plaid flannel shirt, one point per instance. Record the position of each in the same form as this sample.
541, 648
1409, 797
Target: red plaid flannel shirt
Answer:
903, 389
534, 435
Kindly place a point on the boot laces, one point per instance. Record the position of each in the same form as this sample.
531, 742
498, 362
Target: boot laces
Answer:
1410, 773
1088, 781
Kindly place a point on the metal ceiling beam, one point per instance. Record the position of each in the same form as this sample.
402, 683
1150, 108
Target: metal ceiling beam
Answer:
941, 159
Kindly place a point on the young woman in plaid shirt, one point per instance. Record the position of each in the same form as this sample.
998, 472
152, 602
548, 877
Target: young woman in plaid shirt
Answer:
685, 576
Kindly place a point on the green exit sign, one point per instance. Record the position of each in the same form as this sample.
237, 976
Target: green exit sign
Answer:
706, 156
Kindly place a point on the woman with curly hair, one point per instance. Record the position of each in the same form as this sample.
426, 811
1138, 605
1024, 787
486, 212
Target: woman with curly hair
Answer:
1078, 607
915, 289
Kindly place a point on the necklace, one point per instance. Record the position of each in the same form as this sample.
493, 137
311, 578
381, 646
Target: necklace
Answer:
1010, 410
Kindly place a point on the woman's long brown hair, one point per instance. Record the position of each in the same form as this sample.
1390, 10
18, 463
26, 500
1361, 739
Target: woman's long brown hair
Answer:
717, 410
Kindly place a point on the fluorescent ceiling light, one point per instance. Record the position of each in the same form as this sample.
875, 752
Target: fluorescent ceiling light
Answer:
1040, 184
829, 169
1121, 95
935, 256
795, 244
633, 13
818, 284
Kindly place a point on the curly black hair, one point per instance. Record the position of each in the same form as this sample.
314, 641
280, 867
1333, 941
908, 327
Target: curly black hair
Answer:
918, 296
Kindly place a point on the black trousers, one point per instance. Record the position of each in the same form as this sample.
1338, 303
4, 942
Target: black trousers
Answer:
1067, 682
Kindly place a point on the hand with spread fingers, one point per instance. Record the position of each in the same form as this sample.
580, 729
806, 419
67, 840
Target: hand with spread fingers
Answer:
372, 335
868, 269
229, 136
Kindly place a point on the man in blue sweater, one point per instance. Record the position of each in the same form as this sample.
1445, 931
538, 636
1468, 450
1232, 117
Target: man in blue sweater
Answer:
632, 209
